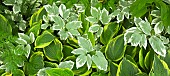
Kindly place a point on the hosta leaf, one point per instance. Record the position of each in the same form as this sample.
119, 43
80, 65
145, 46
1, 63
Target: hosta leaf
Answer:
59, 72
113, 68
79, 51
97, 58
105, 18
158, 27
53, 52
81, 60
122, 68
18, 72
95, 12
157, 45
74, 25
115, 48
66, 64
44, 40
158, 68
145, 26
141, 58
63, 35
110, 30
62, 9
85, 44
21, 41
135, 39
149, 59
5, 26
89, 61
35, 64
91, 19
58, 20
94, 28
16, 9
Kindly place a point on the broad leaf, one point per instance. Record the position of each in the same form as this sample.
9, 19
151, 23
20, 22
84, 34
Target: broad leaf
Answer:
59, 21
97, 58
157, 45
59, 72
95, 12
135, 39
158, 27
105, 18
66, 64
145, 26
85, 44
94, 28
53, 52
44, 40
63, 34
91, 19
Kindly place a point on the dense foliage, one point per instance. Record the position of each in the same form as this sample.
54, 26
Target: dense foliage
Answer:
84, 37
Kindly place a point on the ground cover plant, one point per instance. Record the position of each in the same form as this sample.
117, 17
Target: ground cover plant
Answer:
84, 37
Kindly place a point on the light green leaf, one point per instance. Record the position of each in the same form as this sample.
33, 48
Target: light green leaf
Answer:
145, 26
21, 41
79, 51
59, 72
66, 14
9, 2
62, 9
52, 10
143, 41
48, 8
156, 20
85, 44
44, 40
28, 50
115, 13
105, 18
95, 12
120, 17
97, 58
158, 27
156, 13
63, 35
25, 37
58, 20
53, 52
16, 9
91, 19
74, 25
157, 45
66, 64
81, 60
89, 61
135, 39
94, 28
56, 26
74, 32
115, 49
44, 26
32, 37
42, 72
168, 29
99, 32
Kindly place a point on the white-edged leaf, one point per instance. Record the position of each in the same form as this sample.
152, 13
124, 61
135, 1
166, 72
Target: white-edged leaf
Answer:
32, 37
145, 27
48, 8
157, 45
95, 12
156, 20
89, 61
44, 26
79, 51
21, 41
62, 9
66, 64
99, 32
27, 49
81, 60
55, 9
23, 36
135, 39
74, 32
105, 17
94, 28
168, 29
158, 27
63, 34
58, 20
57, 27
137, 21
45, 19
164, 39
16, 9
156, 13
100, 60
66, 14
91, 19
42, 72
143, 41
120, 17
74, 25
115, 13
85, 44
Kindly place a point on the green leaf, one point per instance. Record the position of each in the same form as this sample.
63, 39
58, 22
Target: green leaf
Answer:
158, 68
5, 26
66, 64
62, 9
105, 18
81, 60
158, 27
74, 25
42, 72
9, 2
122, 68
97, 58
58, 20
79, 51
145, 26
16, 9
89, 61
52, 10
135, 39
32, 37
18, 72
113, 68
28, 50
94, 28
53, 51
157, 45
85, 44
21, 41
35, 63
25, 37
91, 19
44, 40
63, 34
120, 17
141, 58
143, 41
115, 49
149, 59
44, 26
95, 12
110, 31
74, 32
59, 72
